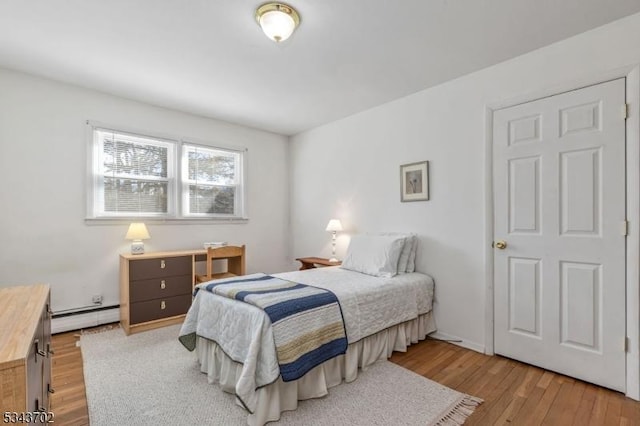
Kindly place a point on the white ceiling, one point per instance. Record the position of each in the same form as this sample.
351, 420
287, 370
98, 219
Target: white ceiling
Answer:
210, 58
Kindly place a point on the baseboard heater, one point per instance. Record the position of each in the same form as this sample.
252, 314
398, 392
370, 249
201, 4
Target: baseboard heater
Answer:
85, 318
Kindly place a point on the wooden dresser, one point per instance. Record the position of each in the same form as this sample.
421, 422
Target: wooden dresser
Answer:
156, 288
25, 352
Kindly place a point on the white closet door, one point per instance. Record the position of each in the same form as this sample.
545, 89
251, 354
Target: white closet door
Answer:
559, 209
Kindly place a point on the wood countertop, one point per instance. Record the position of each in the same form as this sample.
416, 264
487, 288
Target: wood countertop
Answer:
20, 310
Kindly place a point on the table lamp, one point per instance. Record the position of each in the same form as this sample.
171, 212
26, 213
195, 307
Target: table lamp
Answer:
333, 226
137, 232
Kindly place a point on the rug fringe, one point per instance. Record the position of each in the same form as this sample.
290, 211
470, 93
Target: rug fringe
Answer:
458, 413
99, 329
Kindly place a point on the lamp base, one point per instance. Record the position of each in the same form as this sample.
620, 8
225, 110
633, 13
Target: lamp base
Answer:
137, 247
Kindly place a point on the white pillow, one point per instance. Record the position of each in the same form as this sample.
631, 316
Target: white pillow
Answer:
374, 254
403, 261
407, 249
411, 265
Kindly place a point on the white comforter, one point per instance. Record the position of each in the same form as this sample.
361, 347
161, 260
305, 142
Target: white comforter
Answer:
369, 305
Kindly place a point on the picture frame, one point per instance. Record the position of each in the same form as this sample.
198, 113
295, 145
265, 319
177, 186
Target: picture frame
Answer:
414, 181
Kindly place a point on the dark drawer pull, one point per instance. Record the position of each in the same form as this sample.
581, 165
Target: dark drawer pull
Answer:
38, 350
38, 407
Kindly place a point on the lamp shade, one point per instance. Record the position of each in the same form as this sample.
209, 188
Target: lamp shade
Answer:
137, 231
277, 20
334, 225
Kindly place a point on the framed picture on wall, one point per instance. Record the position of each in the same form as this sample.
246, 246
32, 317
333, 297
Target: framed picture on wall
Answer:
414, 181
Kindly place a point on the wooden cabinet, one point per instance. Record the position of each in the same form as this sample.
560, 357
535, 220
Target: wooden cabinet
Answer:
25, 349
155, 289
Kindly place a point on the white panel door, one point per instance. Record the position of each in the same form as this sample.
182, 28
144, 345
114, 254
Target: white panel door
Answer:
559, 257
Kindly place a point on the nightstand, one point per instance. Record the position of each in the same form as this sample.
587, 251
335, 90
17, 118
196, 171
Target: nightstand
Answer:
155, 289
315, 262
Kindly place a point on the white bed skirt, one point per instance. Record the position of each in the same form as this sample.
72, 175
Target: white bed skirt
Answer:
281, 396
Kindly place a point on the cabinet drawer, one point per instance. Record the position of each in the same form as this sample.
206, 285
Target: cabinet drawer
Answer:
159, 308
157, 288
161, 267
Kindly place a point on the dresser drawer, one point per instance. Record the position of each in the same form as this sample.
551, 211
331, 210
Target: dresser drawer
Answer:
161, 267
160, 308
157, 288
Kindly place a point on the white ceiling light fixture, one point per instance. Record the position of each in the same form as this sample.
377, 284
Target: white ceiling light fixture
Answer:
278, 20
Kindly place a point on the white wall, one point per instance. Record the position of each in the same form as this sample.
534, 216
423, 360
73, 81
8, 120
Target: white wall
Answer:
349, 169
43, 147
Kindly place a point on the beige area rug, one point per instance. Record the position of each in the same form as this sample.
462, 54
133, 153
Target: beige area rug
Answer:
151, 379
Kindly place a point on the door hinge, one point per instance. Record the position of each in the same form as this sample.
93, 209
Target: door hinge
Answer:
627, 344
625, 111
624, 227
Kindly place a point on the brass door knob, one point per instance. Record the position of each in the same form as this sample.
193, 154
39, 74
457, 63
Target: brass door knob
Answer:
500, 245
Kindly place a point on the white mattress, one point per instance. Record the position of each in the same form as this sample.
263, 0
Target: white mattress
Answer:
370, 304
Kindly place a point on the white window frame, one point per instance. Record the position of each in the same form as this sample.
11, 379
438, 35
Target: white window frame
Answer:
177, 187
238, 184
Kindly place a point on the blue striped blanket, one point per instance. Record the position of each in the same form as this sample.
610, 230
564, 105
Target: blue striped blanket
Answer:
308, 327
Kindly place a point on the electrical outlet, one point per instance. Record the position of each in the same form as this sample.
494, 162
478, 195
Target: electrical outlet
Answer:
97, 299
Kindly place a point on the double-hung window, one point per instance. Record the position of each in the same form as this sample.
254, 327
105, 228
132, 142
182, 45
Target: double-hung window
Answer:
211, 181
139, 176
132, 175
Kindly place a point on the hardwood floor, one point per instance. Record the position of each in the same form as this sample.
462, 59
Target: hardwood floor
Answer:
69, 402
514, 393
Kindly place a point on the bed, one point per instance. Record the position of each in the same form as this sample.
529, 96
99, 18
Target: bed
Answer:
235, 347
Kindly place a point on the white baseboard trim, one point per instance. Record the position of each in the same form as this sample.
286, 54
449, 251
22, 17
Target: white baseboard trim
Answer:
458, 341
84, 320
